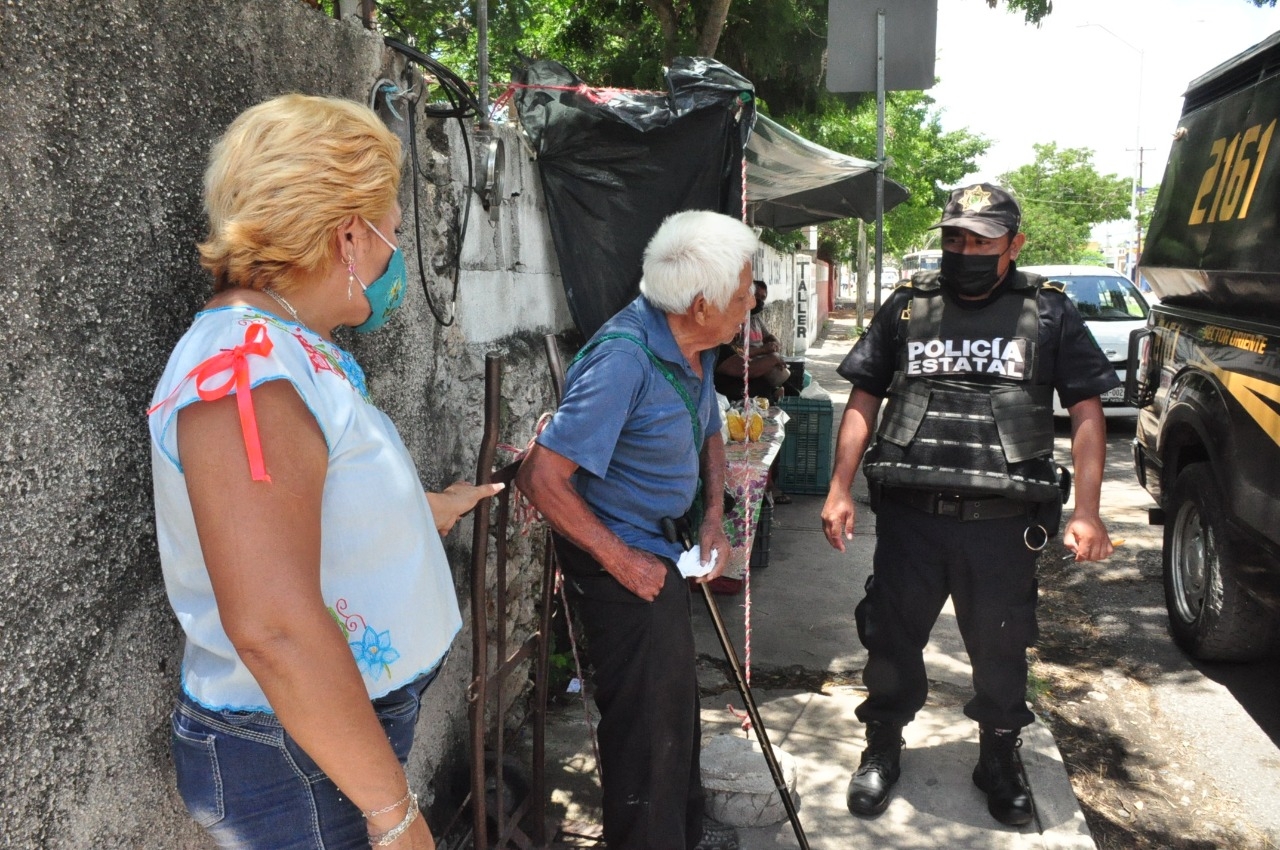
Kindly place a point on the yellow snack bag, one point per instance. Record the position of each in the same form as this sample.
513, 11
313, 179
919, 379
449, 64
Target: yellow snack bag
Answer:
737, 426
755, 425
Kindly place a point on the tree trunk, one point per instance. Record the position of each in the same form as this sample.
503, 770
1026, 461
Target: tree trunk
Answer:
712, 27
667, 18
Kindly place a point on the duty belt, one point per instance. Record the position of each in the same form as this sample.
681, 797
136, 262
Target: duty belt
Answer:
963, 508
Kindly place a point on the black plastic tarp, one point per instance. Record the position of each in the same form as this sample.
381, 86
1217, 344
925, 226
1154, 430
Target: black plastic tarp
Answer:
792, 182
615, 163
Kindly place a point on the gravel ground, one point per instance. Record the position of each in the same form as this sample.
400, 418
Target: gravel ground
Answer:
1162, 752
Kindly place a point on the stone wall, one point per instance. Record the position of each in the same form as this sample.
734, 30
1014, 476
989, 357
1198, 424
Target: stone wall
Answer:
108, 112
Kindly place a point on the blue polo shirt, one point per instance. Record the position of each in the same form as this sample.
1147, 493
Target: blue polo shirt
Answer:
629, 431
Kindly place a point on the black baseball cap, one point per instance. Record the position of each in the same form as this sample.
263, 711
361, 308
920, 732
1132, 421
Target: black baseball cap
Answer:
982, 208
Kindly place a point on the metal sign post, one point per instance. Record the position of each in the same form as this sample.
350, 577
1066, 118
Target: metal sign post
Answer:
879, 152
904, 51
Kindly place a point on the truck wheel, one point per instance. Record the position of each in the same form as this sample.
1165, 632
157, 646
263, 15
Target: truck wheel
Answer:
1210, 615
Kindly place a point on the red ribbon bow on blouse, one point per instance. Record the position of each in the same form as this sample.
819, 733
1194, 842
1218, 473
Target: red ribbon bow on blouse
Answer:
236, 361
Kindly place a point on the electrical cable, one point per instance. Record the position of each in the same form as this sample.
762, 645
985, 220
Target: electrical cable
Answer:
462, 104
417, 231
449, 81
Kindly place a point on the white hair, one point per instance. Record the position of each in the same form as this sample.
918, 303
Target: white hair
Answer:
696, 252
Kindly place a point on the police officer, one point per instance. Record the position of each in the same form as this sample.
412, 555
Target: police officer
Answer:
963, 483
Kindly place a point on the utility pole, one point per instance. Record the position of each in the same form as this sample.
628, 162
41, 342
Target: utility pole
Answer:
1137, 213
1137, 183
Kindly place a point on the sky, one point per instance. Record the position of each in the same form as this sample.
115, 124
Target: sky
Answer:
1101, 74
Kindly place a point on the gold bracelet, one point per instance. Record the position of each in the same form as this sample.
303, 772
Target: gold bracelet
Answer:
384, 810
387, 838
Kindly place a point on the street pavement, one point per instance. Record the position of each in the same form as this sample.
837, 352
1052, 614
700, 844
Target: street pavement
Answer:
805, 654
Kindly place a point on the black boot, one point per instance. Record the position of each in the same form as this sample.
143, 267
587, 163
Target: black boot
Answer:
869, 788
999, 774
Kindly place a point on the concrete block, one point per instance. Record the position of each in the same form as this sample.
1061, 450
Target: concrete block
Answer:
740, 789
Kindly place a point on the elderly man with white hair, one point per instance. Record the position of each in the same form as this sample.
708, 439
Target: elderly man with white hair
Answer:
636, 430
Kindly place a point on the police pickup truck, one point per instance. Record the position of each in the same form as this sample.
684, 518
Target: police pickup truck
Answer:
1205, 371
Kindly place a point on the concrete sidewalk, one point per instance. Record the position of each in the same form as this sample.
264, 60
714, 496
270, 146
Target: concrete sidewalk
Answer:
804, 643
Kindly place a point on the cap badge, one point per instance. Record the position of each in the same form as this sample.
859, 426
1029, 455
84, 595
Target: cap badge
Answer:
975, 200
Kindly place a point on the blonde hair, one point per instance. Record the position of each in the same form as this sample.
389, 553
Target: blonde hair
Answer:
283, 178
696, 252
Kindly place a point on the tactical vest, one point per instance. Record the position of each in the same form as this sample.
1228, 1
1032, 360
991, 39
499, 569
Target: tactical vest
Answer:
964, 412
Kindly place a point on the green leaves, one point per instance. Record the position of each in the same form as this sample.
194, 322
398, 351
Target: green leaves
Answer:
1033, 11
1062, 197
606, 42
924, 158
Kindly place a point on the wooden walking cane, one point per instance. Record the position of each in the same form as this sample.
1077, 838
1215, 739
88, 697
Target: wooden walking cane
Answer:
762, 736
740, 679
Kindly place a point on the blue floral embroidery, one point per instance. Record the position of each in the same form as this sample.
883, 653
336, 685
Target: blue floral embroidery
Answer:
374, 653
354, 373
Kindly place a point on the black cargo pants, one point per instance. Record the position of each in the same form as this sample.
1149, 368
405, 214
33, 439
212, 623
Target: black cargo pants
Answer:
646, 687
989, 573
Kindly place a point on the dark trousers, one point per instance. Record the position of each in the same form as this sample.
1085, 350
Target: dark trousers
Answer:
646, 688
990, 574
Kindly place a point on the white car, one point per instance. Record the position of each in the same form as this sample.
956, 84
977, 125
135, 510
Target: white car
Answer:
1112, 307
889, 280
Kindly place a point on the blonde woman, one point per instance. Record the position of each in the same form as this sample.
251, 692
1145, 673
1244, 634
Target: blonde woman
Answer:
300, 554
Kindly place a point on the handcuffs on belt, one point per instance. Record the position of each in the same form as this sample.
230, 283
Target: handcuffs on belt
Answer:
1064, 487
1026, 533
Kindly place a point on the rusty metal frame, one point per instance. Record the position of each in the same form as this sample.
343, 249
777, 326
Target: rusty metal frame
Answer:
525, 827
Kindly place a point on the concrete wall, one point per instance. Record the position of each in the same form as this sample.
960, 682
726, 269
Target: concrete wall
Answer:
108, 111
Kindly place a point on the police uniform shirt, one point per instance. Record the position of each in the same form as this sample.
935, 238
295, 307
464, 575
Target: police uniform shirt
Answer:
1068, 356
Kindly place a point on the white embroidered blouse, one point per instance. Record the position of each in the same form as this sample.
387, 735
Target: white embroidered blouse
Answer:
383, 571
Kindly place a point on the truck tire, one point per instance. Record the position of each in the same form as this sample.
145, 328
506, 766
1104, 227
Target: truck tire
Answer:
1210, 614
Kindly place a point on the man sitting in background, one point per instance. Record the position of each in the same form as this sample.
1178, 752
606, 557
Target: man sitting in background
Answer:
766, 371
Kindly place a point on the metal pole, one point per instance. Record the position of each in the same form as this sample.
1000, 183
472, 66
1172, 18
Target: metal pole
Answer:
879, 150
482, 48
1137, 133
1131, 271
1137, 184
478, 693
1137, 220
862, 272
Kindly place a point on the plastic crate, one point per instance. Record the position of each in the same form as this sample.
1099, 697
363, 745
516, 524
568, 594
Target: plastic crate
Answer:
760, 545
805, 463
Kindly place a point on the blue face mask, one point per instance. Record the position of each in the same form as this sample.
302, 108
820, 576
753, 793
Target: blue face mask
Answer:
385, 293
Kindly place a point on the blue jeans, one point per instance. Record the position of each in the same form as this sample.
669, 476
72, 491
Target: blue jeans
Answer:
245, 780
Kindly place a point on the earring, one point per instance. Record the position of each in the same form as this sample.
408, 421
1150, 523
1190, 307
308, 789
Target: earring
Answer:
351, 276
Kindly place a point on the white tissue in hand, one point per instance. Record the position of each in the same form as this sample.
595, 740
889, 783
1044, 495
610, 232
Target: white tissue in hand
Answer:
690, 563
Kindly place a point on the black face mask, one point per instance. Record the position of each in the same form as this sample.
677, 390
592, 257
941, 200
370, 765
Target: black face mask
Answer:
970, 274
755, 311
